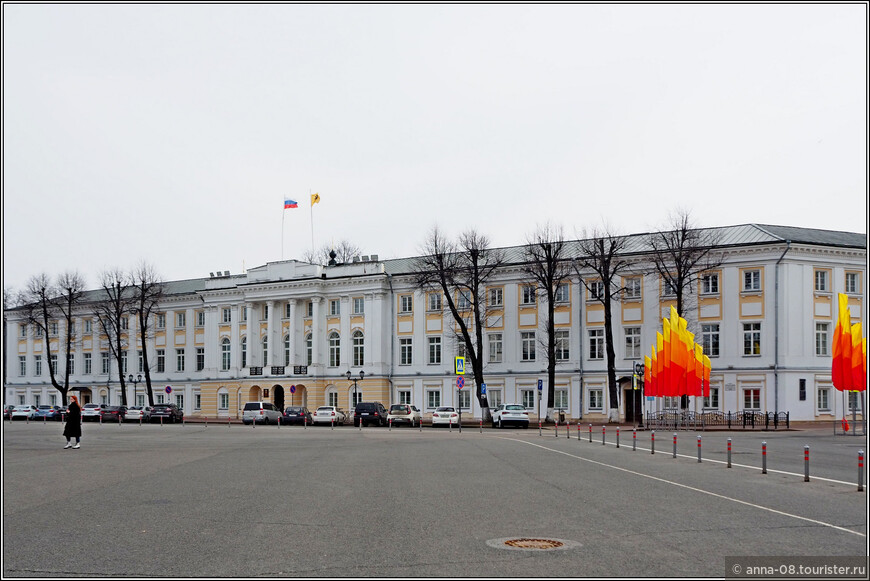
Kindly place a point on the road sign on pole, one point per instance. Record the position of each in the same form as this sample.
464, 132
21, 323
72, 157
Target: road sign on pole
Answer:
460, 366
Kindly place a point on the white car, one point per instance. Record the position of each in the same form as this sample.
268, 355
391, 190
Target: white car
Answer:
402, 413
261, 412
328, 414
445, 415
24, 412
138, 414
92, 411
510, 413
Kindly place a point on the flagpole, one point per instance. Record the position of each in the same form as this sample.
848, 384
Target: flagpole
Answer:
283, 211
311, 208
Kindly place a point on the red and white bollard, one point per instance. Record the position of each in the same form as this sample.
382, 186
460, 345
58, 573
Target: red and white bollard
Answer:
764, 457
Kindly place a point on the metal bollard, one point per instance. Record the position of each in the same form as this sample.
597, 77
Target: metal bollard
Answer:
806, 463
578, 431
590, 433
420, 423
653, 442
206, 421
860, 470
699, 449
568, 429
764, 457
481, 425
729, 452
603, 434
675, 445
161, 421
539, 428
556, 428
332, 423
391, 424
617, 437
634, 440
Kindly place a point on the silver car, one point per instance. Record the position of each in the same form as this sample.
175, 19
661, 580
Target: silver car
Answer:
24, 412
92, 411
138, 414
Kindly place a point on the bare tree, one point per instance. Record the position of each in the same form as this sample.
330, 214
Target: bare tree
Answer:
548, 265
111, 312
680, 256
44, 304
601, 252
147, 292
345, 251
461, 271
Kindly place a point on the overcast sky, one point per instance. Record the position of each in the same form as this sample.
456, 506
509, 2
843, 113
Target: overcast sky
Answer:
173, 133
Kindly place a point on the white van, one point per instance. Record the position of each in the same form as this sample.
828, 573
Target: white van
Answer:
262, 412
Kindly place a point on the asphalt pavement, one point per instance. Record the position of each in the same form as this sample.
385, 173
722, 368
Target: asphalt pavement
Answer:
237, 501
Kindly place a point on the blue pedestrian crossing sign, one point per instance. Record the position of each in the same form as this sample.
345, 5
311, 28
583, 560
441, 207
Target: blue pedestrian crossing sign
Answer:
460, 366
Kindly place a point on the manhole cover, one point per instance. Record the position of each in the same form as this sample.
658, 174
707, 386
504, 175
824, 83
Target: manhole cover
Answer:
532, 544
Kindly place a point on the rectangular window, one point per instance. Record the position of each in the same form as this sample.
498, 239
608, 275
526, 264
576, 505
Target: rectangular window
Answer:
562, 294
179, 360
596, 399
596, 290
37, 361
434, 350
359, 305
53, 362
125, 323
332, 399
223, 401
197, 401
632, 289
461, 349
433, 302
161, 321
563, 344
406, 351
821, 279
433, 398
71, 363
287, 310
853, 285
104, 360
632, 342
668, 288
180, 320
596, 343
710, 339
89, 326
161, 361
528, 398
22, 330
752, 399
710, 284
802, 389
495, 347
528, 294
821, 339
200, 318
179, 400
310, 309
464, 300
200, 358
853, 401
752, 339
265, 312
465, 399
494, 398
527, 338
751, 280
53, 329
496, 297
227, 315
712, 401
560, 399
406, 303
335, 307
22, 365
123, 362
405, 396
824, 399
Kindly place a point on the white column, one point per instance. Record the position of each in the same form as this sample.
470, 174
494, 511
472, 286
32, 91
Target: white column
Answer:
315, 331
294, 341
253, 336
270, 334
235, 337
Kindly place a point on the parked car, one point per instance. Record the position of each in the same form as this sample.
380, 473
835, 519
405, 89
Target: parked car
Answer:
49, 412
166, 412
92, 411
24, 412
328, 414
296, 415
261, 412
510, 414
370, 412
114, 413
402, 413
445, 415
7, 411
138, 414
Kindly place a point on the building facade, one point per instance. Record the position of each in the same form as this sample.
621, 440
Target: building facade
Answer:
288, 332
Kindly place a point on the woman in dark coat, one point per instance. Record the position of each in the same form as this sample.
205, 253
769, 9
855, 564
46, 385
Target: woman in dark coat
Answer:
73, 427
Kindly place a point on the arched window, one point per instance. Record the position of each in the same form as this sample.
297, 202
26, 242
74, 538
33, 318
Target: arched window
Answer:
358, 348
334, 349
226, 352
286, 350
244, 351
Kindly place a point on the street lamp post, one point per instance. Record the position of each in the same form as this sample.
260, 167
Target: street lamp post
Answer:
137, 379
354, 379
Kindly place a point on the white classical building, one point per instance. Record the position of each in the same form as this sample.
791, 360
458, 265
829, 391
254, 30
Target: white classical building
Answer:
288, 332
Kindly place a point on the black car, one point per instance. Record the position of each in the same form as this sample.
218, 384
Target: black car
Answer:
296, 415
370, 412
113, 413
166, 412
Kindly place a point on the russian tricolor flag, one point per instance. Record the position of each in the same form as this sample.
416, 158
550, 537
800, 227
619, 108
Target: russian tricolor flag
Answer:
289, 203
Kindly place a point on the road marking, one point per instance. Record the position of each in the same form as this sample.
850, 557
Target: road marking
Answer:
692, 488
